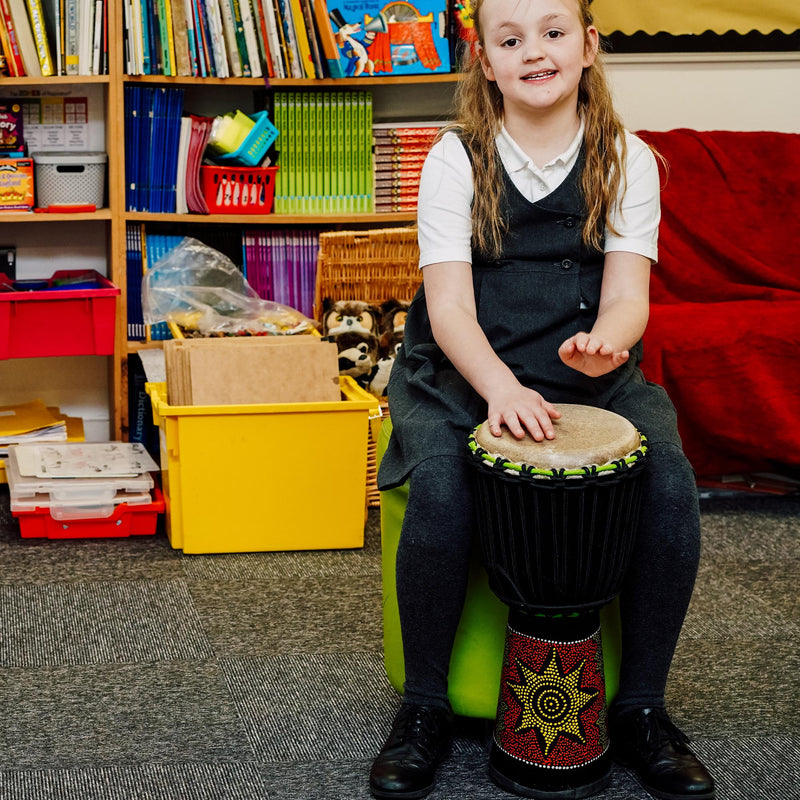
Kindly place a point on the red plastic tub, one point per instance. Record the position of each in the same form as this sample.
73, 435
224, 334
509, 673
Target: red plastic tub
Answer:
133, 520
70, 314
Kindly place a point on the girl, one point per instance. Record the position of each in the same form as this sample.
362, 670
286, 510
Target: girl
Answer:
538, 218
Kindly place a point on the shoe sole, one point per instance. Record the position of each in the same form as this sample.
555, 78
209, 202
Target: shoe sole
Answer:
575, 793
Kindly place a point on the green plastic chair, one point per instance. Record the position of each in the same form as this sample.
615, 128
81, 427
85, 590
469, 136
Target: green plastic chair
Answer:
477, 658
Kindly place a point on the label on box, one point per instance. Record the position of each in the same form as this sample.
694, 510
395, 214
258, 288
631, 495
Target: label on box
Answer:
16, 184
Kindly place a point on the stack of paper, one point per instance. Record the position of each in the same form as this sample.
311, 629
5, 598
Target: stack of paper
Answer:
32, 421
79, 480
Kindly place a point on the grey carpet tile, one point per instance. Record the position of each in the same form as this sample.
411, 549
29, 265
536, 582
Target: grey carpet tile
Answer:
737, 688
765, 528
66, 560
313, 707
776, 583
726, 603
94, 623
112, 715
754, 768
192, 781
292, 615
266, 566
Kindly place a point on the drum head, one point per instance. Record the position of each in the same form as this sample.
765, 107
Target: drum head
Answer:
585, 436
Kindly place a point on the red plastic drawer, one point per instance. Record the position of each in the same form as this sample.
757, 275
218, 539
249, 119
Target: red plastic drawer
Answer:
49, 321
136, 520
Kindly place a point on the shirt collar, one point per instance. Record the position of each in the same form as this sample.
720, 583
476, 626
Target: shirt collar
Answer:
515, 159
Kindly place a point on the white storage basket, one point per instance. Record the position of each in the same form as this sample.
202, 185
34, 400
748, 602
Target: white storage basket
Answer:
70, 178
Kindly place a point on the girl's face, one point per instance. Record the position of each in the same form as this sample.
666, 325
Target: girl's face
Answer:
536, 51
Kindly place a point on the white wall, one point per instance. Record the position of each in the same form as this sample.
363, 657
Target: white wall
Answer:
727, 92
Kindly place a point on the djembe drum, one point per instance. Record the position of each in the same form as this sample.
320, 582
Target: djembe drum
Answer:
557, 521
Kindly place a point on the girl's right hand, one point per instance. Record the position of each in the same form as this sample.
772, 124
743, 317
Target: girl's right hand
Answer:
520, 410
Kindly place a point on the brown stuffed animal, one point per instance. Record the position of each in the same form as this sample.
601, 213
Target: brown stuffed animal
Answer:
349, 315
358, 355
393, 315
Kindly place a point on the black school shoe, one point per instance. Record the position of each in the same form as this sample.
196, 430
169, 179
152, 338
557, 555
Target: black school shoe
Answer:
406, 766
646, 741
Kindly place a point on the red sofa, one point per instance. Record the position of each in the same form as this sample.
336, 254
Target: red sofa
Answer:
724, 330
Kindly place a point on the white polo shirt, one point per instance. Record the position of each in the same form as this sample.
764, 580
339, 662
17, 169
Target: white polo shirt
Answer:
446, 191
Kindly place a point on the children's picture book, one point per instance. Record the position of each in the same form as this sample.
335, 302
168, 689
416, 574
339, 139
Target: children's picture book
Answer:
399, 38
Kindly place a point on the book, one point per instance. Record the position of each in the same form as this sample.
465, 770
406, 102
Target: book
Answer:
241, 41
200, 133
327, 41
27, 44
275, 54
301, 35
37, 21
85, 36
250, 38
229, 34
97, 43
8, 35
180, 35
412, 40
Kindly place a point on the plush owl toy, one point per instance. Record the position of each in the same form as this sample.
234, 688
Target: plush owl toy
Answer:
345, 316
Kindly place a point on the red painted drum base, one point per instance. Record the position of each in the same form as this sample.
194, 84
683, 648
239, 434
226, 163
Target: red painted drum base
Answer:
551, 736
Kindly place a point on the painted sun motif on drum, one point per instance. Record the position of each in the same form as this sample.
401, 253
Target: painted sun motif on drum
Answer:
551, 702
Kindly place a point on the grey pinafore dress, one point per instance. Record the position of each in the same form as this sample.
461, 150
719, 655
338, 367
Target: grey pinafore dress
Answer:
544, 287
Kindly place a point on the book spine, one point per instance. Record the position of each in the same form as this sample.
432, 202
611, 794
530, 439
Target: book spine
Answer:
241, 43
276, 59
301, 36
327, 39
16, 67
229, 33
36, 15
250, 38
27, 45
217, 38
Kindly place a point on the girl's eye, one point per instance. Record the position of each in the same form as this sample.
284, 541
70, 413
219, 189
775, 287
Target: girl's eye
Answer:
553, 34
510, 42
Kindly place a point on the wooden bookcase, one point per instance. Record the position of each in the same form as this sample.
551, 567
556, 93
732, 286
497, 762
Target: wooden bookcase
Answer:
400, 94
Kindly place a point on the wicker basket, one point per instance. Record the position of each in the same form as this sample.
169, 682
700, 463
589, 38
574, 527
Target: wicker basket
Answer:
374, 266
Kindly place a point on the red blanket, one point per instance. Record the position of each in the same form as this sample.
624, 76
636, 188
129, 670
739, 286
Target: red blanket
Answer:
724, 332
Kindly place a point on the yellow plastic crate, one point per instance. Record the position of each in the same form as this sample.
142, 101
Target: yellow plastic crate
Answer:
279, 476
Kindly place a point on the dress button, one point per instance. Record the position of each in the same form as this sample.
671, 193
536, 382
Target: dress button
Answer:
566, 264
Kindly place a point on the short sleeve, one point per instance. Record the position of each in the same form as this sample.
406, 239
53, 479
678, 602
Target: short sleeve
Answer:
638, 211
444, 207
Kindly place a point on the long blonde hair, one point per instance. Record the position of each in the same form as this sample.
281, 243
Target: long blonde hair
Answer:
479, 117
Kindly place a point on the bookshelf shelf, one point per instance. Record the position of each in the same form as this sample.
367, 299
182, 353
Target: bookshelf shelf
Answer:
54, 80
324, 220
102, 214
285, 83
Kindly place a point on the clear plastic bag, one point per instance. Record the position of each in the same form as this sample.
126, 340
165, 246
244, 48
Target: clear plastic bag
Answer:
201, 289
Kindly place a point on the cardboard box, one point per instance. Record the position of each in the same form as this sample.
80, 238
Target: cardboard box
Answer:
16, 184
243, 370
